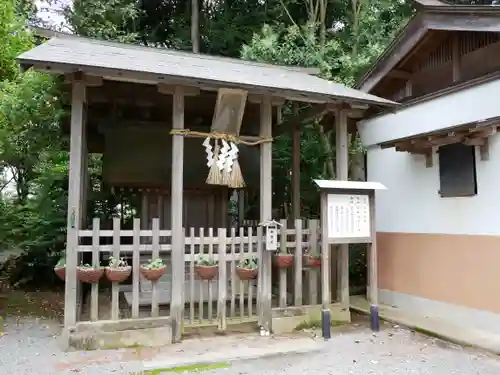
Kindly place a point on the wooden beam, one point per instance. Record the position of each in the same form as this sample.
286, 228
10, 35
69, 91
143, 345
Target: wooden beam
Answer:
167, 89
403, 46
296, 166
455, 58
326, 297
372, 256
178, 267
89, 80
408, 88
400, 74
342, 159
76, 165
266, 204
257, 99
314, 111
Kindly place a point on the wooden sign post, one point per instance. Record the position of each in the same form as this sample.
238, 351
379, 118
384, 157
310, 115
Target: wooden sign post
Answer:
348, 217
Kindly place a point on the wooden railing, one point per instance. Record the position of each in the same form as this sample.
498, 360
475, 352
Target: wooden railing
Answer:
234, 299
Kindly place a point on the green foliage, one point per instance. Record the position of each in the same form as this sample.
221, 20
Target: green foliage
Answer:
117, 262
14, 39
30, 116
249, 263
61, 263
154, 264
206, 261
108, 20
32, 105
294, 46
87, 266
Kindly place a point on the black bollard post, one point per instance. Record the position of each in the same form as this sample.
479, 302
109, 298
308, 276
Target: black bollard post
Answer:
325, 324
374, 318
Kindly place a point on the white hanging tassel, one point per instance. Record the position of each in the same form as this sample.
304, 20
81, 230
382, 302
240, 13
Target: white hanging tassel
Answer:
208, 150
236, 180
222, 162
214, 175
228, 162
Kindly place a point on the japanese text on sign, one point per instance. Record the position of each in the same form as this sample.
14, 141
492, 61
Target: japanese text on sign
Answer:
348, 216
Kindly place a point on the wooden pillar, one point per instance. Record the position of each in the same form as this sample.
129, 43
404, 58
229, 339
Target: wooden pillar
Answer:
372, 285
296, 166
266, 205
455, 58
325, 254
74, 218
177, 298
241, 206
342, 159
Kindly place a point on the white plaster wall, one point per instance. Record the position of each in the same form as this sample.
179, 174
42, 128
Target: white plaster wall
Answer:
412, 203
472, 104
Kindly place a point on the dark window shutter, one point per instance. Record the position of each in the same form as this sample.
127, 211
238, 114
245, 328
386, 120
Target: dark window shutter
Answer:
457, 170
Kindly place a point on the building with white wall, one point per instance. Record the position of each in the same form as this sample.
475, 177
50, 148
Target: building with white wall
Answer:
438, 224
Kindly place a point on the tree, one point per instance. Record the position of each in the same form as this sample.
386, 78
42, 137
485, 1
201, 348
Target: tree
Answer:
14, 39
30, 116
108, 20
341, 53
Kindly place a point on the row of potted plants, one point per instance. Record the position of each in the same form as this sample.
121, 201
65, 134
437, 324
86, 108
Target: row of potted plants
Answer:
285, 260
116, 271
205, 268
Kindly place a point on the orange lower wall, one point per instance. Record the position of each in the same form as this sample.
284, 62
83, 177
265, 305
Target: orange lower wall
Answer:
457, 269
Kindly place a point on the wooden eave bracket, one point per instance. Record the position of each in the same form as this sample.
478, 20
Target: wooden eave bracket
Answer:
168, 89
89, 80
425, 145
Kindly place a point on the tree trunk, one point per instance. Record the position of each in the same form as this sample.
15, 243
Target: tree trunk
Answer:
195, 26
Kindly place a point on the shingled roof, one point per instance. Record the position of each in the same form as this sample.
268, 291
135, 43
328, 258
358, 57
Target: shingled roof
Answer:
431, 15
122, 61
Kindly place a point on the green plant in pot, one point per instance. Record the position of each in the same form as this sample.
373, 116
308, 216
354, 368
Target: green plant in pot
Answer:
206, 267
60, 268
117, 270
153, 270
283, 259
89, 274
312, 258
248, 268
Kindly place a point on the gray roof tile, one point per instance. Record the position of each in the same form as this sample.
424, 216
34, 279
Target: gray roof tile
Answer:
87, 53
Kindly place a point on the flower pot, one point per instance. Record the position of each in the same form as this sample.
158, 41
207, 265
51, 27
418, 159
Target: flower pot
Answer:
247, 273
153, 274
205, 272
89, 275
310, 261
60, 272
283, 260
118, 274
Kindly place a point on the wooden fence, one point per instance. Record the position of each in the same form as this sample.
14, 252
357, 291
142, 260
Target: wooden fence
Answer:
224, 299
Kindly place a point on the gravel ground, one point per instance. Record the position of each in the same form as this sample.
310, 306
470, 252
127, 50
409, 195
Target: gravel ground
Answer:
30, 346
395, 351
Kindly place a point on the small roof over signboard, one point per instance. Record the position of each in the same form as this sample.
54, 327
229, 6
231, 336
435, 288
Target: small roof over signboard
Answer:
349, 185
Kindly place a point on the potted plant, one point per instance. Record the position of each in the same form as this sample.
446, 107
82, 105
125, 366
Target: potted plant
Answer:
311, 259
117, 270
89, 274
206, 267
283, 259
247, 268
153, 270
60, 268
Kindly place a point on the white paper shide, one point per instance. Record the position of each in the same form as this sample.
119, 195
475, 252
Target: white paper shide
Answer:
348, 216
